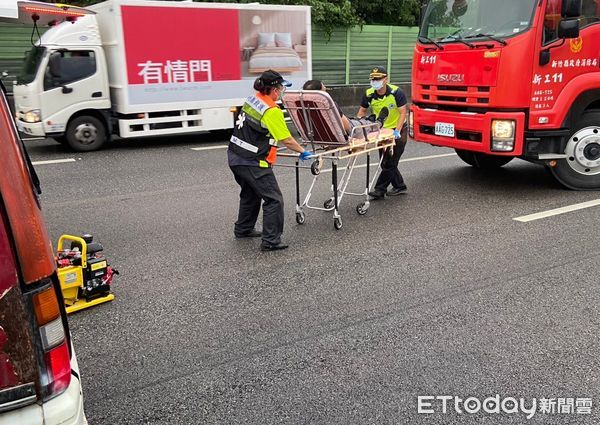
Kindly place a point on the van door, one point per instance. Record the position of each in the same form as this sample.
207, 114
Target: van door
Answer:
73, 80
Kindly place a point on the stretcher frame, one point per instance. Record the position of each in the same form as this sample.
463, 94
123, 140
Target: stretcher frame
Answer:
335, 152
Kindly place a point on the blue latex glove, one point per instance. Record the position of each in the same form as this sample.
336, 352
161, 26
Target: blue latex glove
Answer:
305, 155
396, 133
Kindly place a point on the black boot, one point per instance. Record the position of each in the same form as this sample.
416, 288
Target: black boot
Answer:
383, 114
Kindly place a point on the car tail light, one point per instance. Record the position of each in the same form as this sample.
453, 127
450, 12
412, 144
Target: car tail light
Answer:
54, 342
59, 368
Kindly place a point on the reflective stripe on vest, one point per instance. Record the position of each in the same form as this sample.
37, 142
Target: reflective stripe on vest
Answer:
257, 104
244, 145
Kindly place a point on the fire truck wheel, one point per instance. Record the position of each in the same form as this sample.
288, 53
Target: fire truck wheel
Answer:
581, 169
482, 160
85, 133
466, 156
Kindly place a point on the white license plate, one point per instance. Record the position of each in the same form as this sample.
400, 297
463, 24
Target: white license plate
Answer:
20, 127
444, 129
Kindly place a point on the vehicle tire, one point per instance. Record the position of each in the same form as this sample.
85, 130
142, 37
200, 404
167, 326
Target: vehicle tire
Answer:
483, 161
581, 169
466, 156
86, 133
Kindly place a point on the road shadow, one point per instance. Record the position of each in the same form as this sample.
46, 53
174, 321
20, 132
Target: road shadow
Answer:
50, 146
517, 178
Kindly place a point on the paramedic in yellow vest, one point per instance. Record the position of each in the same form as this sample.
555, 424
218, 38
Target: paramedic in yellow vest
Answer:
251, 154
381, 95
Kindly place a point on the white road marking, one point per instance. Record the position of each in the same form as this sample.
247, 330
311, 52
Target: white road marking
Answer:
208, 148
418, 158
54, 161
557, 211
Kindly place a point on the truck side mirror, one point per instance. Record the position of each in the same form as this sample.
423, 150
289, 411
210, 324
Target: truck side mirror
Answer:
568, 28
571, 8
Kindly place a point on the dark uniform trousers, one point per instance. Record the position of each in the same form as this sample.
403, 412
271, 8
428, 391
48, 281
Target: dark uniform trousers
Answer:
259, 184
389, 165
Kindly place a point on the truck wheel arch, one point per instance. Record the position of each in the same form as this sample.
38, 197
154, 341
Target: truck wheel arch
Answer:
586, 101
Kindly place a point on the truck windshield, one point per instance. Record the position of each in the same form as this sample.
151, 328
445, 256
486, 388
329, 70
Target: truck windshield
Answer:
32, 64
451, 20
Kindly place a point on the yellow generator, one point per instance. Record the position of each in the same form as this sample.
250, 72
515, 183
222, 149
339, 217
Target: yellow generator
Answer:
83, 272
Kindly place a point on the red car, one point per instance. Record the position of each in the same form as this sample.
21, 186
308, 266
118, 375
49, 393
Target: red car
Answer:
39, 376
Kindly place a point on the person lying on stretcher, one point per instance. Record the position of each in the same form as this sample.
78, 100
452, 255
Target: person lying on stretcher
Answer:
350, 123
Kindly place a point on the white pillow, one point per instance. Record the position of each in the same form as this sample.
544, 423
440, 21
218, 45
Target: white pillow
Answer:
266, 39
283, 39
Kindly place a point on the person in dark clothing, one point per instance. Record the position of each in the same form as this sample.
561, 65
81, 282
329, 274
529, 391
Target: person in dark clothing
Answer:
251, 153
381, 95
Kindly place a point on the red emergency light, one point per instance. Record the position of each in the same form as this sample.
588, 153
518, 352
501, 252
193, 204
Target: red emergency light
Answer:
53, 11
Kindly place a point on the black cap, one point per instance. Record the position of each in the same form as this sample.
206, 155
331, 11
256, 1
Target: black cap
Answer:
273, 78
377, 73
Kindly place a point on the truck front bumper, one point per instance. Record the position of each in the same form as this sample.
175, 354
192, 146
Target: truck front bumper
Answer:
31, 129
472, 131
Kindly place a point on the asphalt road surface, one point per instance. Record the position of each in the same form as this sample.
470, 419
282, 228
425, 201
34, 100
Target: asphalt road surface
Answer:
439, 292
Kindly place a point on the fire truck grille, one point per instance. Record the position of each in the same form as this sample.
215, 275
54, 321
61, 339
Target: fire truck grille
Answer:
456, 95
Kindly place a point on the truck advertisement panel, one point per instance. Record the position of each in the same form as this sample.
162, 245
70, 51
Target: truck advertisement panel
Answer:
191, 54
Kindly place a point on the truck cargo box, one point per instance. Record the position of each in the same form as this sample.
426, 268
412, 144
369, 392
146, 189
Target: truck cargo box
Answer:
165, 55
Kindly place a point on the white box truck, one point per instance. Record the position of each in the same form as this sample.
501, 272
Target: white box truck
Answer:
139, 68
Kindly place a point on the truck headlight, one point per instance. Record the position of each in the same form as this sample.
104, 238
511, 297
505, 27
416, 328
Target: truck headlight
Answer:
32, 116
411, 124
503, 135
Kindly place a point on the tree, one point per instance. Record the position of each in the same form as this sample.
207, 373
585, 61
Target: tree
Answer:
331, 14
388, 12
327, 14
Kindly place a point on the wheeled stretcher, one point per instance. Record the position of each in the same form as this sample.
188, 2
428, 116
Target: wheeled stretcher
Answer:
319, 124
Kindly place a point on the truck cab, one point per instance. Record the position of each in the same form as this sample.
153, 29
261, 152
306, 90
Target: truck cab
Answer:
63, 91
517, 78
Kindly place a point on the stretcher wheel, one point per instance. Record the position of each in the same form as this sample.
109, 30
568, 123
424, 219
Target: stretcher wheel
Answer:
337, 223
314, 168
328, 203
362, 208
300, 218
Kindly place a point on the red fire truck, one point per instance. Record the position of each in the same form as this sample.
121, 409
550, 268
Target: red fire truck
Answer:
497, 80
